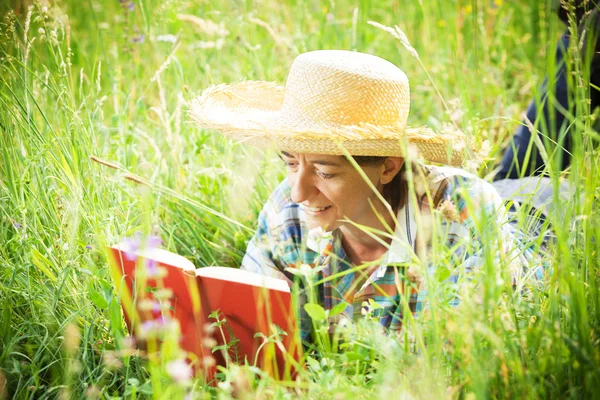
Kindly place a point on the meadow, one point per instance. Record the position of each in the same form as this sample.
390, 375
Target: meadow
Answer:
96, 145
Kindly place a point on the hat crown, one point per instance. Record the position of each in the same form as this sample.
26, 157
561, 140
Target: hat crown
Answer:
338, 87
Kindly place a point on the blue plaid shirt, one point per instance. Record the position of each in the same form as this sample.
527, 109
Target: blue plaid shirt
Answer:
446, 240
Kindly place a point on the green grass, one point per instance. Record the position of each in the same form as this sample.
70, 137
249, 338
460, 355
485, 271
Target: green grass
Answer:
76, 81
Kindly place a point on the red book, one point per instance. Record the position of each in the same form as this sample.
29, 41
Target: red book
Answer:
162, 287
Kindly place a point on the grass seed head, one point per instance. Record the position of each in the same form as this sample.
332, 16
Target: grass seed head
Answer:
3, 390
72, 339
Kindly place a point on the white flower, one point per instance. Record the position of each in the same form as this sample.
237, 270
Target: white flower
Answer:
179, 371
318, 239
167, 38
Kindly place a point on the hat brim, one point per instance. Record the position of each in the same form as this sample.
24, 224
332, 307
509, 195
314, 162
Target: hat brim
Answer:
250, 112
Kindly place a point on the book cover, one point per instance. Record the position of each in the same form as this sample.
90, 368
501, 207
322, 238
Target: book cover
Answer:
225, 315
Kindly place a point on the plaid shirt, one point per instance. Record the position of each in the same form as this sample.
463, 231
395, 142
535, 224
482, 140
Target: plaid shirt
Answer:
427, 241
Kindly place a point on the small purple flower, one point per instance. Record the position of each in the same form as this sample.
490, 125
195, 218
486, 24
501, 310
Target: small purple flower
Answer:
138, 39
154, 327
88, 247
17, 225
131, 6
148, 328
152, 268
130, 248
153, 242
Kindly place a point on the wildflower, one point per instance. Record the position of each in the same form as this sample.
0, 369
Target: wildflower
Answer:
209, 342
208, 328
163, 294
208, 361
148, 329
154, 327
153, 270
130, 247
17, 225
139, 38
149, 305
319, 239
202, 44
153, 242
168, 38
179, 371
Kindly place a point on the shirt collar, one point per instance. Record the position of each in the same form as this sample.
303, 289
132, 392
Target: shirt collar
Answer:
400, 248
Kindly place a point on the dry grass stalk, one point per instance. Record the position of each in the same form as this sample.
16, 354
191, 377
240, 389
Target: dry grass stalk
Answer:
3, 390
134, 178
105, 163
278, 39
398, 34
205, 25
165, 64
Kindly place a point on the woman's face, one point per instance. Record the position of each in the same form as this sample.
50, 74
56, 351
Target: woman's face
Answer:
329, 189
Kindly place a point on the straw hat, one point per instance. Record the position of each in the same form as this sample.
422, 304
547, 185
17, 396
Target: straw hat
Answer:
332, 99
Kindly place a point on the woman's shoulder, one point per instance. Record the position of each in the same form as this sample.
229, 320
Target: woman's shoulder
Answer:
449, 182
281, 197
438, 173
279, 212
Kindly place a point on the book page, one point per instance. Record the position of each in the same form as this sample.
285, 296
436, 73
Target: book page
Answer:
228, 274
161, 256
245, 277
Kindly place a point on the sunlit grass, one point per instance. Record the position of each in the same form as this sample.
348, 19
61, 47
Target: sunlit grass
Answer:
103, 79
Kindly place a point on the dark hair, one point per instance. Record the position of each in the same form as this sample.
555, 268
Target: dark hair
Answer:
394, 192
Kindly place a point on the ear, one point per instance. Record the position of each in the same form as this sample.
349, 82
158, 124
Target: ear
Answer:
391, 168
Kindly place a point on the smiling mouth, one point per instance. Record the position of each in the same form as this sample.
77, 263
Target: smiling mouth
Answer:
315, 210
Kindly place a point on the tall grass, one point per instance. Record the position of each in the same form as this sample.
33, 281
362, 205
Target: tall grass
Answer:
104, 79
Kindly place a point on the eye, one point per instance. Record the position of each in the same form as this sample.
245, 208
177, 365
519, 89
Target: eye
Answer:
290, 164
325, 175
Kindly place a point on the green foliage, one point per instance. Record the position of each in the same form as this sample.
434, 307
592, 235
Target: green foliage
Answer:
105, 79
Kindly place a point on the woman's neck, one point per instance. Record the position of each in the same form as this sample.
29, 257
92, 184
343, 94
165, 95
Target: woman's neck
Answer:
361, 247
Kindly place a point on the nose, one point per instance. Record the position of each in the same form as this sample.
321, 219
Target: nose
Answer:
302, 186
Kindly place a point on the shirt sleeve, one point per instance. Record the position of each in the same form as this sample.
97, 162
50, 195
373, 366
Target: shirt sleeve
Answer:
480, 235
259, 253
474, 235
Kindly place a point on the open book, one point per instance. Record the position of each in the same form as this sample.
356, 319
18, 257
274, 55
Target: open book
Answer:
259, 325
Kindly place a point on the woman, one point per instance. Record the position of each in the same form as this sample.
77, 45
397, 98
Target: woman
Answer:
356, 206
